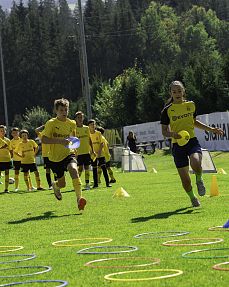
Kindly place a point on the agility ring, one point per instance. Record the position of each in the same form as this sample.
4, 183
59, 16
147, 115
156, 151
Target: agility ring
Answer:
217, 266
218, 228
29, 257
59, 243
64, 283
47, 269
15, 248
169, 234
153, 261
186, 254
129, 249
173, 242
177, 273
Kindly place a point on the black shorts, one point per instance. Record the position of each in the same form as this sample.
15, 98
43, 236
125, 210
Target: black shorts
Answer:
5, 165
46, 162
181, 154
17, 164
99, 161
84, 159
25, 167
58, 168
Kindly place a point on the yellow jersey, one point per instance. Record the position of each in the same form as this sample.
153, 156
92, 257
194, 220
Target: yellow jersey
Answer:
28, 150
55, 128
180, 117
83, 134
97, 140
5, 155
13, 144
106, 149
44, 147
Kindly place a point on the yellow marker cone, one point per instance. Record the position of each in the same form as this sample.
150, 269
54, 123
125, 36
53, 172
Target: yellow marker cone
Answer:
221, 171
120, 192
214, 191
154, 170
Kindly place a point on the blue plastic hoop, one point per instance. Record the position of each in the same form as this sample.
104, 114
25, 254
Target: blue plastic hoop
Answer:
84, 251
65, 283
47, 269
32, 256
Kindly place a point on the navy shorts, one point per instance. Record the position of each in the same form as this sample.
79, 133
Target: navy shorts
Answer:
5, 165
181, 154
58, 168
84, 159
17, 164
46, 162
26, 167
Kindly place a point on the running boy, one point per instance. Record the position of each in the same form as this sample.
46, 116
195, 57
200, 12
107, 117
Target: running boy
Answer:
27, 150
180, 114
56, 133
98, 144
83, 152
5, 156
16, 158
107, 157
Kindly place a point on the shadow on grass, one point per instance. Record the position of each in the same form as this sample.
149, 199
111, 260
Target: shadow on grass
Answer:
163, 215
46, 216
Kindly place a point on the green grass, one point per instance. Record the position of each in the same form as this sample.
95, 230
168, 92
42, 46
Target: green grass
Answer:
156, 203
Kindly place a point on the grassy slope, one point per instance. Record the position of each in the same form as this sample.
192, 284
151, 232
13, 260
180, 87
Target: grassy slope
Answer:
156, 203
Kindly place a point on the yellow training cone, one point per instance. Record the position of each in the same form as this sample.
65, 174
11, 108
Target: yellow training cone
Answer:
120, 192
221, 171
214, 191
154, 170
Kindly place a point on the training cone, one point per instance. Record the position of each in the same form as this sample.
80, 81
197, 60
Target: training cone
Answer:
154, 170
221, 171
226, 225
214, 191
120, 192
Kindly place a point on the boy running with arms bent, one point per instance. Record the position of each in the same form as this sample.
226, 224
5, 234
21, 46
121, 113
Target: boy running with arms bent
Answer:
62, 159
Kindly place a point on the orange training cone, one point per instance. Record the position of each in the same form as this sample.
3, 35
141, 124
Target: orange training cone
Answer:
214, 191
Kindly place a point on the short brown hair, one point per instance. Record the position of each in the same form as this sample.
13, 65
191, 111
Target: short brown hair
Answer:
24, 132
79, 113
15, 129
61, 102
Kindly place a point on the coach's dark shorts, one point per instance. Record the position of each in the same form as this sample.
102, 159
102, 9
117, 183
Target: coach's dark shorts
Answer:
181, 154
84, 159
17, 164
46, 162
25, 167
5, 165
108, 164
58, 168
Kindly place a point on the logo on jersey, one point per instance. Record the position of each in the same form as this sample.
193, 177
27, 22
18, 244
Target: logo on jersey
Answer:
174, 118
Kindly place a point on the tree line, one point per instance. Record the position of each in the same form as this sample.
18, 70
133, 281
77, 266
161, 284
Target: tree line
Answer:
135, 48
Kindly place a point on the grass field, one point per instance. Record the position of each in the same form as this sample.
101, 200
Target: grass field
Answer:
157, 203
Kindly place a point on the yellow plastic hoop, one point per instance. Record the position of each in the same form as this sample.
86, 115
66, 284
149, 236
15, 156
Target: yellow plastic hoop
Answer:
15, 248
109, 276
172, 242
218, 228
105, 240
154, 261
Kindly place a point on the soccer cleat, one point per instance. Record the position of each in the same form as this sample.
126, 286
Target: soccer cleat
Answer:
95, 186
113, 180
32, 188
108, 185
87, 187
56, 190
40, 188
195, 202
50, 187
16, 189
6, 191
81, 203
201, 188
